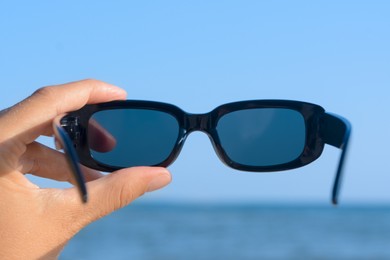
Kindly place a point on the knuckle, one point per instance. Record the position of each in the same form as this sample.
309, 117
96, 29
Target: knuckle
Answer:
90, 81
127, 192
122, 196
47, 92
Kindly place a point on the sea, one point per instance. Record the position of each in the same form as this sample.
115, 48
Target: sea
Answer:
236, 231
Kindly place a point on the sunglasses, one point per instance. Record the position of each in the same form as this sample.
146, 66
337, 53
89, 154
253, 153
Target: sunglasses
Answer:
255, 135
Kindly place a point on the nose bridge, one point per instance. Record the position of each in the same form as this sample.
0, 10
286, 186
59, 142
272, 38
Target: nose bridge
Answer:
198, 122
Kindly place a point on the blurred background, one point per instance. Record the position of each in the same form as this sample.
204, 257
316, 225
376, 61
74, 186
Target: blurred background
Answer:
198, 55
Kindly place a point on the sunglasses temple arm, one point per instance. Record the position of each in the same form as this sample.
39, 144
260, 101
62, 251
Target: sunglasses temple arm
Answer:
336, 131
73, 161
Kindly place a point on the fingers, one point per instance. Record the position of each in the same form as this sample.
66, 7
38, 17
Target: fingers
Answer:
31, 117
116, 190
44, 162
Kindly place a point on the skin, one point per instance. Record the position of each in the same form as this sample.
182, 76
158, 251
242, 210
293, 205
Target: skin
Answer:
36, 223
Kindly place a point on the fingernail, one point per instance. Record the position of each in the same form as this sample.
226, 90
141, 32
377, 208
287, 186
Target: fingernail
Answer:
160, 180
117, 91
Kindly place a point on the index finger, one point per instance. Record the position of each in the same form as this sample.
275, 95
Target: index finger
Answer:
29, 118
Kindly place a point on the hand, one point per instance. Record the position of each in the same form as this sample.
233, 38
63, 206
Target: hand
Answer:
36, 223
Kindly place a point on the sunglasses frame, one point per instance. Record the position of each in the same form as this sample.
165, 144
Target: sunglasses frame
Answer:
321, 128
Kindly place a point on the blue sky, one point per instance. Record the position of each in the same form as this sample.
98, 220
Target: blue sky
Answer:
200, 54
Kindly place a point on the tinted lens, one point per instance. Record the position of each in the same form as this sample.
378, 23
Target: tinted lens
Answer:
132, 137
262, 136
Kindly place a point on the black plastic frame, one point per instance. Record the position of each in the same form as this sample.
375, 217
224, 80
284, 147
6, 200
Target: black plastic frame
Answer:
321, 128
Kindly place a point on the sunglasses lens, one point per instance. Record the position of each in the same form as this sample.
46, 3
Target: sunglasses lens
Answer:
262, 136
132, 137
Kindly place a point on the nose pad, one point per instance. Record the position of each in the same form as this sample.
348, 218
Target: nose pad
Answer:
197, 149
219, 151
201, 123
177, 149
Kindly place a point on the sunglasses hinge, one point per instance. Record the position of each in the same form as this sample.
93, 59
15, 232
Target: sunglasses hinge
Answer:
72, 127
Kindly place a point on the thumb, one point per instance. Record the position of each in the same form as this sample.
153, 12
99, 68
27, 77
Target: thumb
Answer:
120, 188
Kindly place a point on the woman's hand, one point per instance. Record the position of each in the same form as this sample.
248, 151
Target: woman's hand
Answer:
36, 223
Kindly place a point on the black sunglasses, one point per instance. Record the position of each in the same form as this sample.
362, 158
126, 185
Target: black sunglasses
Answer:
256, 135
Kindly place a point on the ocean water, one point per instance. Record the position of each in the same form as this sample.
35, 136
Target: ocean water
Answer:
179, 231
